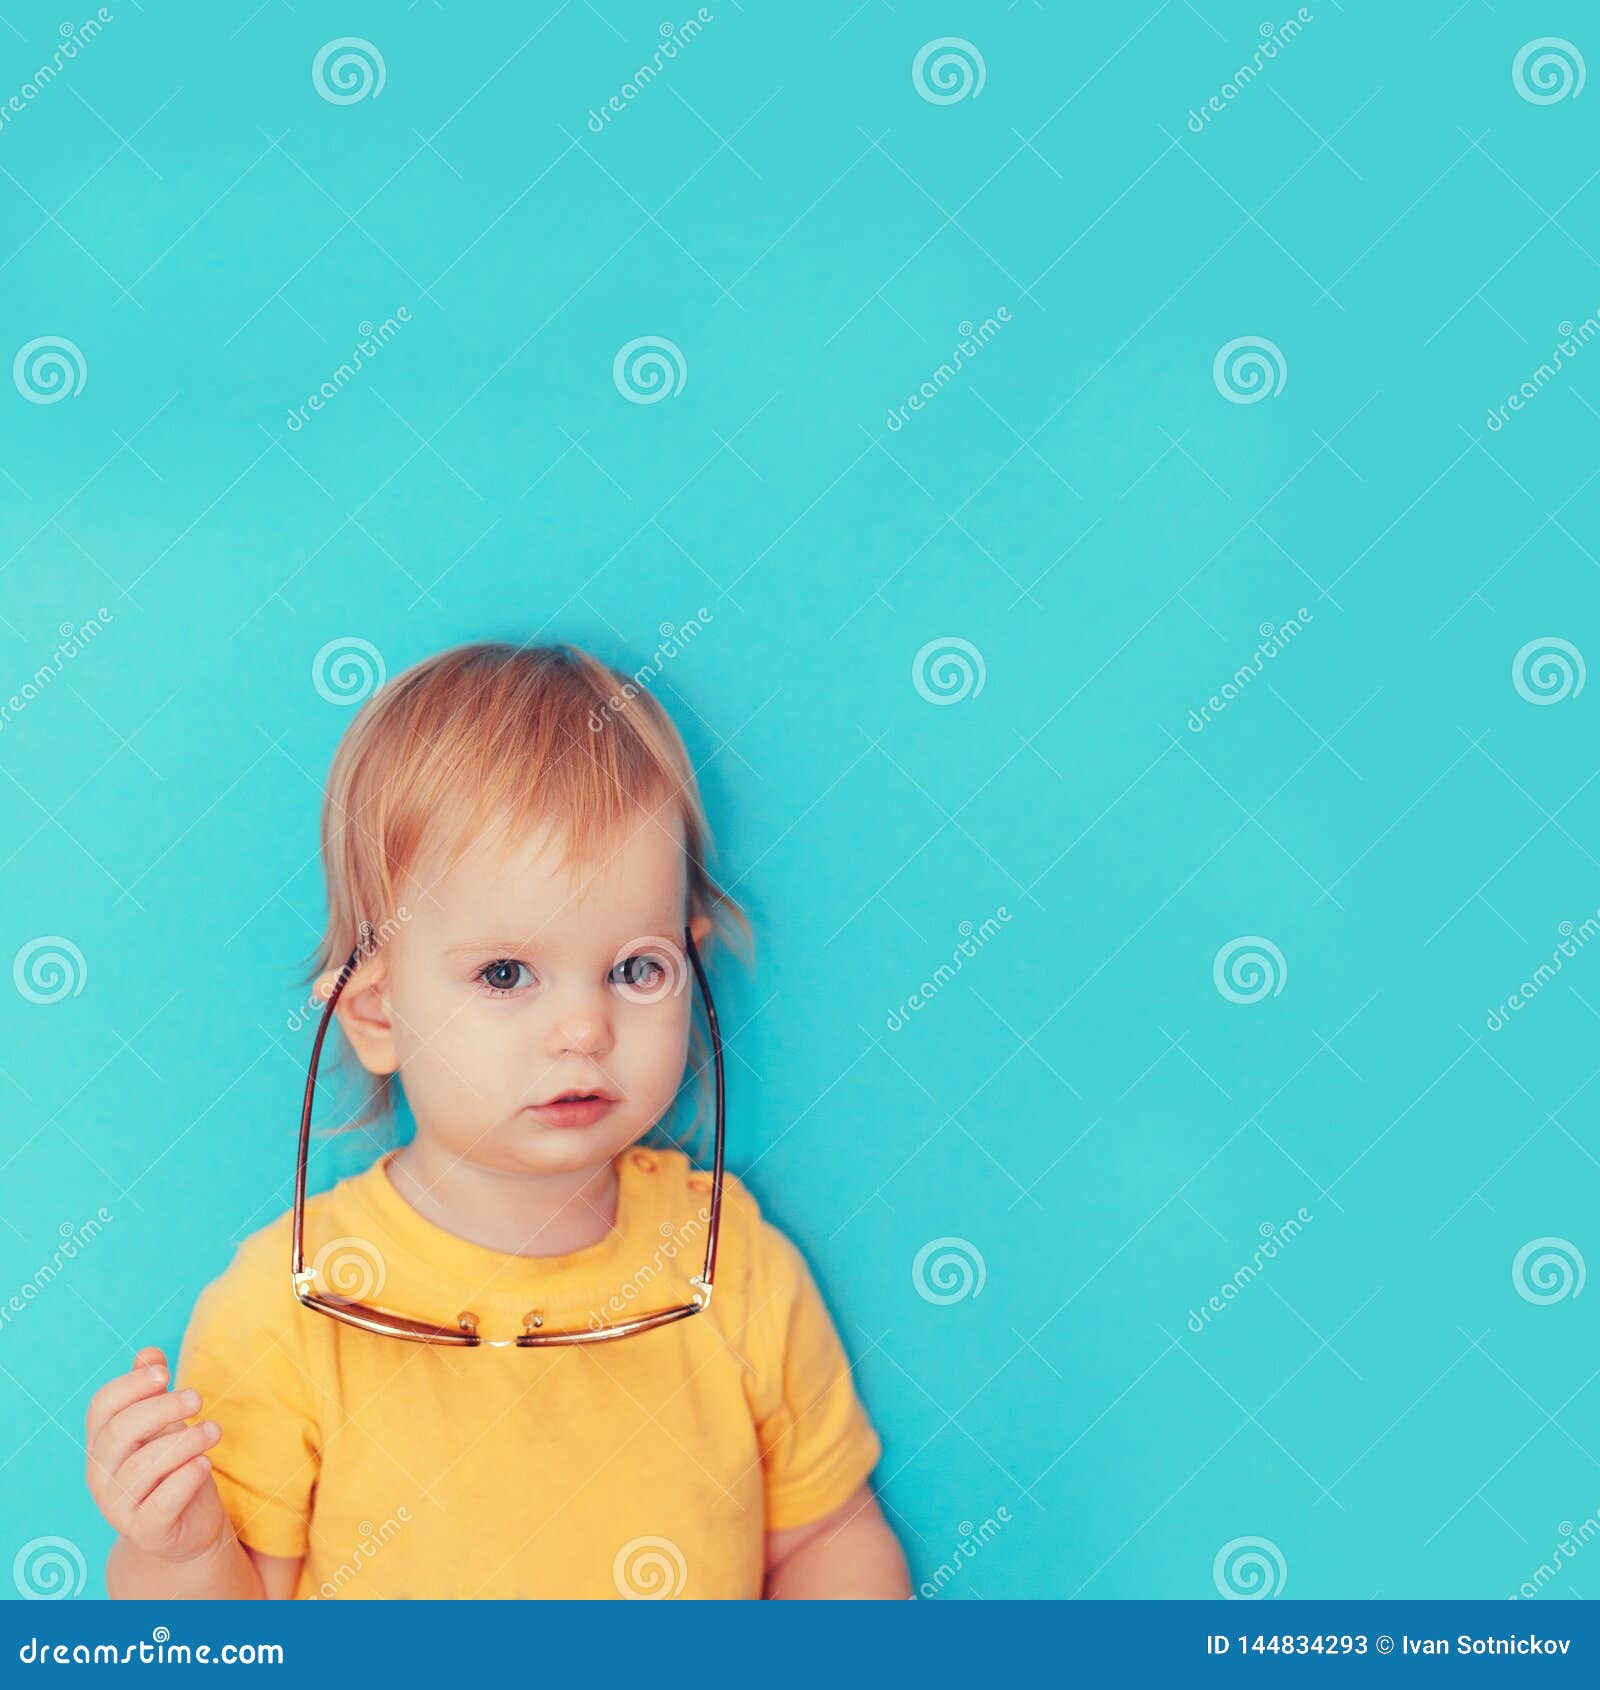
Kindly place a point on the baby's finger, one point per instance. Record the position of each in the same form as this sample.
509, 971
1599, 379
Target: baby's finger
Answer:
147, 1467
137, 1424
117, 1394
159, 1510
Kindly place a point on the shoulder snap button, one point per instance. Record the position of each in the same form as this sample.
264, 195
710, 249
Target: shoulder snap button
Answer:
699, 1182
643, 1159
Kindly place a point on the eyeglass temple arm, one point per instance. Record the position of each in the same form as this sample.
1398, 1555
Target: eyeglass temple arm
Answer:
299, 1260
716, 1171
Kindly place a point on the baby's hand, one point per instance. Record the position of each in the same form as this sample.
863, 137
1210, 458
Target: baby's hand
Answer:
146, 1469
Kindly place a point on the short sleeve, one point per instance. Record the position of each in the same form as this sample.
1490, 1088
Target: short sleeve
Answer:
817, 1444
243, 1352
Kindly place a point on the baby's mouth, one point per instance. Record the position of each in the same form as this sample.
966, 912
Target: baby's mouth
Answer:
573, 1107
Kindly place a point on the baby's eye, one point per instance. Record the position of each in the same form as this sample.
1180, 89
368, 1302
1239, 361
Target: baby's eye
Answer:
502, 976
640, 972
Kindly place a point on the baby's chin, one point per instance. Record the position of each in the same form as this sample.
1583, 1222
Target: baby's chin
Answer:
527, 1145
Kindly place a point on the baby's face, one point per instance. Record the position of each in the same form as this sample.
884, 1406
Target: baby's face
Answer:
513, 982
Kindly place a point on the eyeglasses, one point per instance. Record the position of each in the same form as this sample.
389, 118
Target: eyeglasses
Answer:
390, 1325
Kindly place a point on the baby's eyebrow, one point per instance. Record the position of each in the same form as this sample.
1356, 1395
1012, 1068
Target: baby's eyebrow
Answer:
670, 930
489, 945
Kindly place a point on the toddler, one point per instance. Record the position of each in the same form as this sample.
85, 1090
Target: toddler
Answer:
512, 840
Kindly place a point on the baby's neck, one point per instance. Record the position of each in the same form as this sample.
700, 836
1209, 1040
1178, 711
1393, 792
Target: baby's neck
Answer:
518, 1214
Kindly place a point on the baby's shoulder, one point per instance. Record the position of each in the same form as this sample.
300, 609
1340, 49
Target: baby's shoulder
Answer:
682, 1194
759, 1268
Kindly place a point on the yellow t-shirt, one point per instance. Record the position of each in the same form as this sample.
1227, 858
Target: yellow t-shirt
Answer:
650, 1465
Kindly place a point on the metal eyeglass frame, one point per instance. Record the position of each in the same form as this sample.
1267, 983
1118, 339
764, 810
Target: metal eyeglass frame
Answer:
387, 1324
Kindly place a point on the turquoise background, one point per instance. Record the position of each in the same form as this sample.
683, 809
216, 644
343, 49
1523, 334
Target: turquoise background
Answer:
1081, 1105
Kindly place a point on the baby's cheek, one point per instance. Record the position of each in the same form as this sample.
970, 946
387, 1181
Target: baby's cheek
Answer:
660, 1055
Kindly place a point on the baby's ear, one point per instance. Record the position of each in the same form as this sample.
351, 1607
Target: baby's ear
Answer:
700, 930
363, 1014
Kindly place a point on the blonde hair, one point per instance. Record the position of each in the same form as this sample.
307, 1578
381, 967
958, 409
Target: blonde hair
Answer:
489, 733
